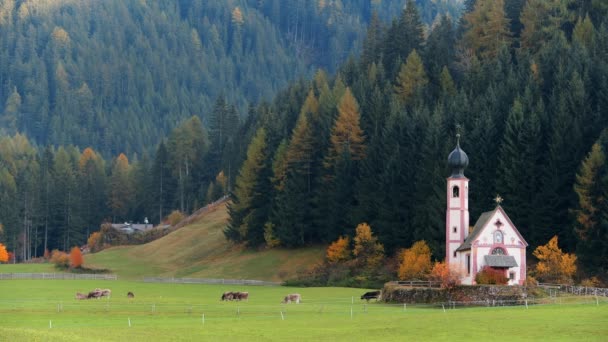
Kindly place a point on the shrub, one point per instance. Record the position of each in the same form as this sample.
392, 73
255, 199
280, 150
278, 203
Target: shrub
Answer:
95, 242
591, 282
491, 276
3, 254
175, 217
449, 277
60, 259
75, 257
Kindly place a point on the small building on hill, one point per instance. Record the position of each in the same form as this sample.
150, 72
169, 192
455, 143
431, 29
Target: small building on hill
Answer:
494, 241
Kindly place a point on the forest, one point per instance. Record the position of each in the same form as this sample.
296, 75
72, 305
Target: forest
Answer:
359, 138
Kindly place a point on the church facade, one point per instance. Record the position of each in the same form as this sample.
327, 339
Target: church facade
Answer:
494, 241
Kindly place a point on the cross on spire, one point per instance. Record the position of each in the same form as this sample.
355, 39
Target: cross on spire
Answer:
498, 199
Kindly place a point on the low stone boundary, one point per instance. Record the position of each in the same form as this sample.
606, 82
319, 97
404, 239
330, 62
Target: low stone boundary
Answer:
394, 293
61, 276
211, 281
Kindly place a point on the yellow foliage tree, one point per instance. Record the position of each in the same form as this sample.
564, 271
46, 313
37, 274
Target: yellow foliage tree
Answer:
347, 135
95, 242
368, 250
237, 16
411, 79
3, 253
415, 262
338, 250
554, 265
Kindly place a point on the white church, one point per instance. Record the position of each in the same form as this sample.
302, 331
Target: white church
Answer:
493, 242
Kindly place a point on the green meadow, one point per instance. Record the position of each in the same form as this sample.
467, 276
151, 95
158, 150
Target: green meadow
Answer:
45, 310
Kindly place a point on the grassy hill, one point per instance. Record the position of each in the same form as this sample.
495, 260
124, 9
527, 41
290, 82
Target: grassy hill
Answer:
199, 250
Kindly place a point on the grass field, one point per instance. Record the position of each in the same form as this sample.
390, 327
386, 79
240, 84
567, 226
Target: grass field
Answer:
200, 250
45, 310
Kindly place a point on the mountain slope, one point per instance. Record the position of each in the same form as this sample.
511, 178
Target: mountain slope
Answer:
199, 250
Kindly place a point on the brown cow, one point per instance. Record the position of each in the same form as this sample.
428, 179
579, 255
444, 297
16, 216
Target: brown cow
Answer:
227, 295
130, 295
81, 296
294, 297
241, 296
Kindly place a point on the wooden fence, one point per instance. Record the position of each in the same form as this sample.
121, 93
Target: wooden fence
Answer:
416, 283
576, 290
210, 281
53, 276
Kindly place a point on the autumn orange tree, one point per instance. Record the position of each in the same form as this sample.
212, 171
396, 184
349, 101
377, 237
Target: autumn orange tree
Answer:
3, 253
339, 250
554, 265
95, 242
76, 257
415, 262
446, 275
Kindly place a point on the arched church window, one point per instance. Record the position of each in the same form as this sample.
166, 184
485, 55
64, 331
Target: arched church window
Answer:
498, 236
455, 191
498, 251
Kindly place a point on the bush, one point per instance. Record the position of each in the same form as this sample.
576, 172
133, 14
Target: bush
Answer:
175, 217
491, 276
60, 259
591, 282
75, 257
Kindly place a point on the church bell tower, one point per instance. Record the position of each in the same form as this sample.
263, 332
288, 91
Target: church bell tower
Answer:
457, 213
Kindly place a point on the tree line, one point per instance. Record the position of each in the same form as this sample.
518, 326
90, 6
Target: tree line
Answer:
56, 197
527, 83
116, 75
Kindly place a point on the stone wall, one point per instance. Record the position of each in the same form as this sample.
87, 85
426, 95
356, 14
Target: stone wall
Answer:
463, 293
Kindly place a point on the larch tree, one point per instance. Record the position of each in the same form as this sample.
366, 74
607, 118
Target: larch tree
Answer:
591, 212
415, 262
487, 28
368, 251
245, 206
554, 265
411, 79
339, 250
121, 189
347, 135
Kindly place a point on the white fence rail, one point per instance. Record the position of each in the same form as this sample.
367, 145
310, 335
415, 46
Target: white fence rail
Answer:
210, 281
52, 276
576, 290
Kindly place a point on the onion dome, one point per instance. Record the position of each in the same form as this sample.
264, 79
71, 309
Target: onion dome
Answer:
458, 160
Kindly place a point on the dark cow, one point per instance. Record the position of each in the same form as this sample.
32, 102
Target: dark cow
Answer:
227, 295
130, 295
294, 297
371, 295
94, 294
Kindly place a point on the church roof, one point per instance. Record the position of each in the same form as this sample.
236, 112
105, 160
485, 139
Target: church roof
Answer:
480, 225
500, 260
458, 160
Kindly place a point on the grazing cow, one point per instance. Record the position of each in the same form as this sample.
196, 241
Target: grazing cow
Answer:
130, 295
94, 294
81, 296
371, 295
241, 296
227, 296
294, 297
106, 293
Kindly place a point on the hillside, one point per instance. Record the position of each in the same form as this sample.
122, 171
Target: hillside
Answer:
200, 250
